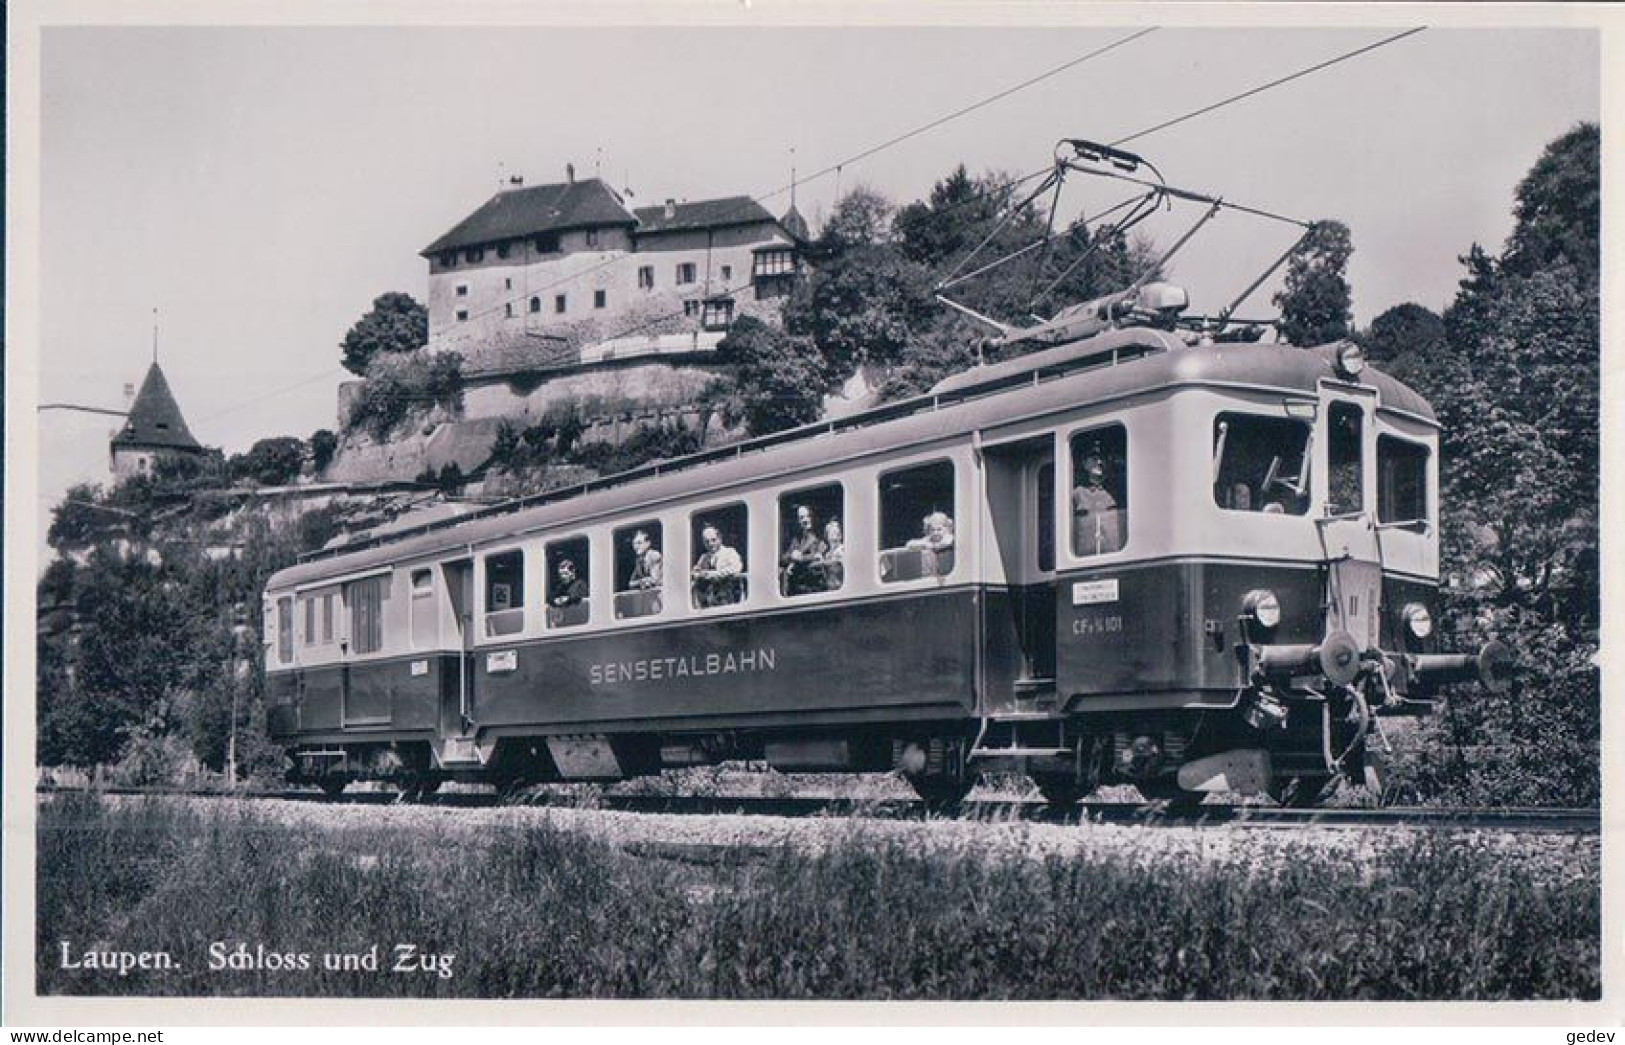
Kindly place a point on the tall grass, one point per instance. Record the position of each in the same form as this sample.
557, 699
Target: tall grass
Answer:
541, 911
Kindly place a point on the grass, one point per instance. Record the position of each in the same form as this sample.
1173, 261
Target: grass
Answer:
542, 911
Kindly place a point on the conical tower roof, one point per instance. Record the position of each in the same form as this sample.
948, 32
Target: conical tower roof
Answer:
155, 419
795, 225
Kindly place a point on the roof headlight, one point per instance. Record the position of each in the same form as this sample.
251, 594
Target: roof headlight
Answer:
1418, 621
1350, 360
1263, 607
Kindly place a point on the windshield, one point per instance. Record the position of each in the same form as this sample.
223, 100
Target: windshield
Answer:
1261, 464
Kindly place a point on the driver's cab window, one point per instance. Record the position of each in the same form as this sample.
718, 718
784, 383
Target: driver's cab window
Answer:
1261, 464
1345, 460
1099, 492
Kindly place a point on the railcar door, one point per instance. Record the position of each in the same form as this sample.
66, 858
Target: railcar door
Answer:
1347, 525
457, 694
1018, 556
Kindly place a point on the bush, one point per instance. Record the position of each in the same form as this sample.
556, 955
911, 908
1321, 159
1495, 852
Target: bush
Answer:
398, 387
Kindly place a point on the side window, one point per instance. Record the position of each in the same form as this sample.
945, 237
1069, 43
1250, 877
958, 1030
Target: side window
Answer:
327, 616
1345, 460
1099, 491
505, 593
1260, 464
812, 540
1402, 480
284, 630
568, 603
917, 522
366, 599
717, 542
425, 625
640, 570
310, 619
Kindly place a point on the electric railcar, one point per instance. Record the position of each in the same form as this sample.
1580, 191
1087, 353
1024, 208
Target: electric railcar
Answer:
1136, 559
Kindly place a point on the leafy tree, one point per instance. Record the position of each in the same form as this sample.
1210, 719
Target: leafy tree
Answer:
1404, 339
80, 518
927, 359
323, 446
396, 323
398, 387
862, 306
270, 462
781, 377
1558, 206
861, 218
1315, 300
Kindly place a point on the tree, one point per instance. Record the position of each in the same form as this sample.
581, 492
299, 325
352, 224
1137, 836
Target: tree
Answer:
1404, 338
396, 323
861, 218
1315, 302
323, 446
782, 378
1558, 206
862, 306
270, 462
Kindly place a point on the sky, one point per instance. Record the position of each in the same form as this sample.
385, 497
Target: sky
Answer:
259, 187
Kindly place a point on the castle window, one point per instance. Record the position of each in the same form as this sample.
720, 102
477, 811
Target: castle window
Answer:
535, 304
462, 290
547, 243
560, 303
508, 308
448, 259
600, 298
691, 308
462, 315
473, 254
727, 273
507, 283
718, 313
592, 237
502, 250
685, 273
646, 277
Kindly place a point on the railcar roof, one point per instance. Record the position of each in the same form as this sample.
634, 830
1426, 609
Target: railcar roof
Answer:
1271, 366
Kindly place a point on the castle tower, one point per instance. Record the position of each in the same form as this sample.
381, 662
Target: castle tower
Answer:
153, 431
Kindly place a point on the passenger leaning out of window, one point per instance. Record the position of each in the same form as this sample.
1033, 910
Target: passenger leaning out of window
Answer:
717, 572
834, 554
645, 564
802, 563
571, 589
937, 542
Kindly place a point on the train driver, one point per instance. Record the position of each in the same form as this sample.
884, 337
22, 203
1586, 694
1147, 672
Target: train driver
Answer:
803, 559
1096, 522
645, 563
717, 572
571, 589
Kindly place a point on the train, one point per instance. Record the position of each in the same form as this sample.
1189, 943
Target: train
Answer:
1143, 556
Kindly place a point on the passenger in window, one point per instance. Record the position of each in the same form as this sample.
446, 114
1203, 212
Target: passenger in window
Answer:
645, 564
937, 542
834, 555
571, 589
1096, 522
717, 572
803, 559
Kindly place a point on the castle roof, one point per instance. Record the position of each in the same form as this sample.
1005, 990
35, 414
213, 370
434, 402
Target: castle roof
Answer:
516, 213
701, 214
155, 419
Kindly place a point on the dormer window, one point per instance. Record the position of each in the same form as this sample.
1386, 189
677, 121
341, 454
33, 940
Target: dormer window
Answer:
592, 237
547, 243
502, 250
474, 254
448, 259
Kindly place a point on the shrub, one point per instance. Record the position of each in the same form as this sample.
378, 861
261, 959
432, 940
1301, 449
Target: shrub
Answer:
399, 387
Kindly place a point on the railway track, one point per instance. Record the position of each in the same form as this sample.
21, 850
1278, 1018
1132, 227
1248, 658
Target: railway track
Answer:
1148, 814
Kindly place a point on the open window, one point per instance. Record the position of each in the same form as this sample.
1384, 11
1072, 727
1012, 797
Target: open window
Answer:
917, 513
640, 570
568, 584
505, 593
1099, 492
812, 540
1402, 481
718, 544
1261, 464
1345, 460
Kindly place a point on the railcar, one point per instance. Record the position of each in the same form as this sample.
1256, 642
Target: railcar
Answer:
1140, 557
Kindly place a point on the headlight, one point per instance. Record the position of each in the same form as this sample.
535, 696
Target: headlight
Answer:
1350, 360
1263, 607
1417, 620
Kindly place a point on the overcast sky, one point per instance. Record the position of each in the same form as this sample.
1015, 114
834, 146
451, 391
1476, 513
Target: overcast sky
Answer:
260, 187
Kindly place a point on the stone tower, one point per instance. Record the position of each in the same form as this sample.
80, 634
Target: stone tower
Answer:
153, 431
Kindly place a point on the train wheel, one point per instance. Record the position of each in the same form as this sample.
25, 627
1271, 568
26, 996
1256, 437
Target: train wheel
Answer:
1178, 800
942, 791
1062, 792
333, 788
416, 788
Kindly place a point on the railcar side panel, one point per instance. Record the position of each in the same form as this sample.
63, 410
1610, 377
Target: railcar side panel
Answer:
915, 650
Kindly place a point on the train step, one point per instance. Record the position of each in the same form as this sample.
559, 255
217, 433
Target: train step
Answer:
459, 752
